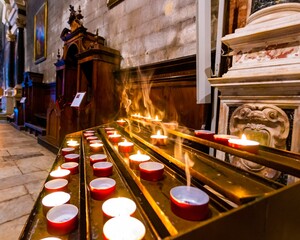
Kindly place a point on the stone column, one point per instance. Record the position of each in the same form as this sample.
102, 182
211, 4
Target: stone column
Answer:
19, 61
7, 99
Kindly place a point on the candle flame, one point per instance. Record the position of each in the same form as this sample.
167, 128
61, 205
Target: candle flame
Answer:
58, 168
156, 117
125, 140
138, 152
158, 133
244, 137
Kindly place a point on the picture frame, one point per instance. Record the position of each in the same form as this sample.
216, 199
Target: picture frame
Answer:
112, 3
40, 34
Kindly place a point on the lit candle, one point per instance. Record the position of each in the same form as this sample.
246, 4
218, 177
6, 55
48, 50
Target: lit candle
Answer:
148, 118
156, 119
151, 171
121, 122
97, 158
120, 206
60, 173
73, 157
189, 203
54, 199
136, 159
71, 166
62, 219
102, 187
158, 139
124, 227
96, 147
72, 143
56, 185
114, 138
125, 147
244, 144
136, 115
65, 151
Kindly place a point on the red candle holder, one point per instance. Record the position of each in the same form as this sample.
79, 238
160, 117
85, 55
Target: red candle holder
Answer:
56, 185
136, 159
114, 138
109, 129
189, 203
69, 150
120, 206
72, 157
244, 144
101, 188
62, 220
71, 166
96, 147
223, 138
158, 139
205, 134
102, 169
54, 199
88, 134
60, 173
97, 158
151, 171
121, 122
95, 141
124, 227
50, 238
125, 147
91, 138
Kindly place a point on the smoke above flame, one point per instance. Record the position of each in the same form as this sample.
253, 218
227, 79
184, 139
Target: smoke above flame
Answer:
184, 158
136, 100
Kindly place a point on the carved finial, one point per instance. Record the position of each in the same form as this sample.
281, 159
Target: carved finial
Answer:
74, 18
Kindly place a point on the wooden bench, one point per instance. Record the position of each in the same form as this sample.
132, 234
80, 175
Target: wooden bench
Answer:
37, 130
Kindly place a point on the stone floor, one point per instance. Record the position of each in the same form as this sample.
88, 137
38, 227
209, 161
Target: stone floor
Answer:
24, 166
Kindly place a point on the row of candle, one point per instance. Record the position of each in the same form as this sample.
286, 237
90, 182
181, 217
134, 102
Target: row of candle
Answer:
118, 210
62, 217
229, 140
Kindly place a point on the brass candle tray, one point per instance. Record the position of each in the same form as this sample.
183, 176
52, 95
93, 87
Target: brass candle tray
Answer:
242, 205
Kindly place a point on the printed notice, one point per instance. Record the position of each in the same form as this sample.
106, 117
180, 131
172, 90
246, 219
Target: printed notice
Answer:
78, 99
23, 100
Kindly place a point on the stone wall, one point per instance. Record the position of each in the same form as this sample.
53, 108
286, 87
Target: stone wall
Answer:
143, 31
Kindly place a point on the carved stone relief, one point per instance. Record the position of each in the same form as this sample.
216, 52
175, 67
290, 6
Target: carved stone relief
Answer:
265, 123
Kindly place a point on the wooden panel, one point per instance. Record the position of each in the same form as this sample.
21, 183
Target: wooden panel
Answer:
172, 87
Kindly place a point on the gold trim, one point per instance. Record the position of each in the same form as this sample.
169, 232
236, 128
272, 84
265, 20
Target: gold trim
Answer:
42, 12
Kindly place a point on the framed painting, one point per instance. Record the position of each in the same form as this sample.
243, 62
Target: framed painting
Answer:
112, 3
40, 34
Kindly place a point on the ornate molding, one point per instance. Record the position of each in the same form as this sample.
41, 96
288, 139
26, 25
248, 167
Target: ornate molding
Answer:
265, 123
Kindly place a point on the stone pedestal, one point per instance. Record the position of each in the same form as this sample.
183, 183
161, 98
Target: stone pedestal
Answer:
260, 92
8, 104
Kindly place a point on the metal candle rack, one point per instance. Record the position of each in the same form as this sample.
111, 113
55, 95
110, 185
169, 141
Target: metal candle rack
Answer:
241, 203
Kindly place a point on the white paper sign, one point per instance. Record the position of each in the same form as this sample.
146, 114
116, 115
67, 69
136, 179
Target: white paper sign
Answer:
78, 99
22, 99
